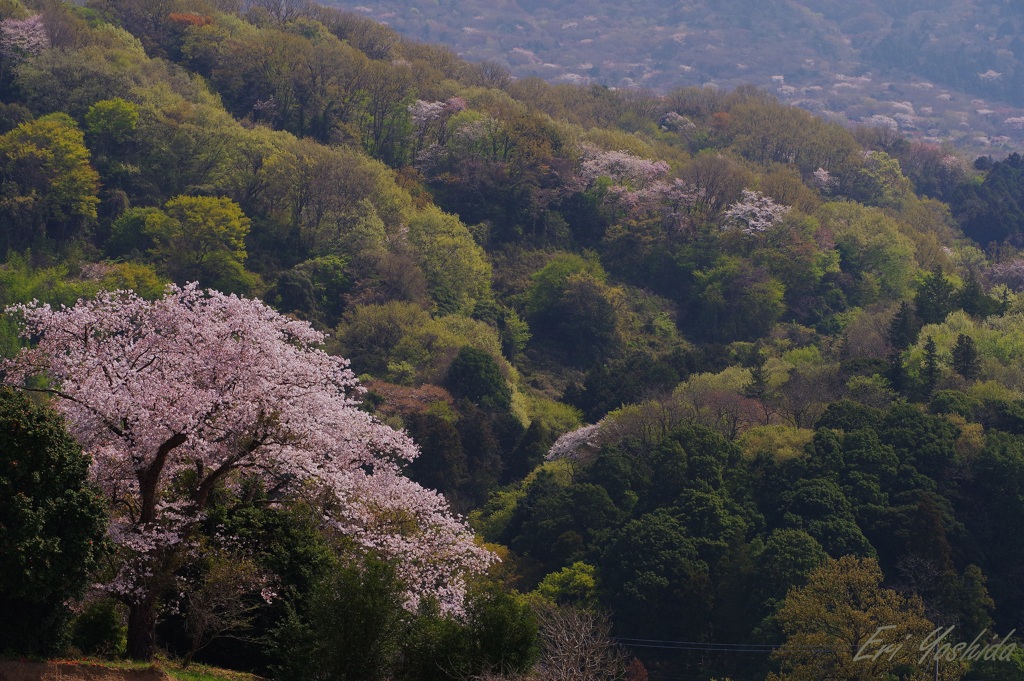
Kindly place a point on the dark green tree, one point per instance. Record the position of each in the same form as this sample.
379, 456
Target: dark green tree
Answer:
966, 360
498, 635
650, 573
930, 368
935, 298
786, 560
972, 298
903, 328
51, 526
475, 375
441, 464
350, 628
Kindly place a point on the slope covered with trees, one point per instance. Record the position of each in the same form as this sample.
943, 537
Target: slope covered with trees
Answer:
949, 68
683, 361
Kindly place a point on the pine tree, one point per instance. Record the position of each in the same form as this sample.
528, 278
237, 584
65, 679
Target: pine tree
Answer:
903, 328
973, 299
966, 360
934, 300
930, 373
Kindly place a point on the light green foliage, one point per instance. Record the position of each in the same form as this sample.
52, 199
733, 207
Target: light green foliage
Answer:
339, 201
872, 248
114, 119
200, 238
929, 224
779, 441
881, 181
557, 417
999, 342
767, 132
48, 188
20, 282
575, 584
550, 282
400, 342
732, 379
456, 268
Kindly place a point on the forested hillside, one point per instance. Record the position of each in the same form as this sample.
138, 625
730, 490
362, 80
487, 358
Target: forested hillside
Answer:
725, 386
946, 69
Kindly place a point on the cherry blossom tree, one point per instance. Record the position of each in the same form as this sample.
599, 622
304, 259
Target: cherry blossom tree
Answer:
575, 443
177, 396
639, 189
754, 213
20, 38
621, 167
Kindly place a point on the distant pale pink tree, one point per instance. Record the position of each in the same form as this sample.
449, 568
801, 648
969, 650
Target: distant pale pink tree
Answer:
177, 396
20, 38
824, 181
639, 188
754, 213
575, 443
430, 120
1009, 273
621, 167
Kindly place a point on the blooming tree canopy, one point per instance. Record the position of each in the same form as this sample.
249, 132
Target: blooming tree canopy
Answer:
621, 167
755, 213
20, 38
199, 387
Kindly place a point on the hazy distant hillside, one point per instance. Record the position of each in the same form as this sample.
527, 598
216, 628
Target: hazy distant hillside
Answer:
941, 68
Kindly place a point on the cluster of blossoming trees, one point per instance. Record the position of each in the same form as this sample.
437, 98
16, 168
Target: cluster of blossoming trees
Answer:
197, 389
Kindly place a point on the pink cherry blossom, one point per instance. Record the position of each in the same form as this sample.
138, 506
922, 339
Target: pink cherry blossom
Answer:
754, 213
205, 387
23, 37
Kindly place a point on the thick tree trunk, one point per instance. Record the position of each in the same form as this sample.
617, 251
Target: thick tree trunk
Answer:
142, 629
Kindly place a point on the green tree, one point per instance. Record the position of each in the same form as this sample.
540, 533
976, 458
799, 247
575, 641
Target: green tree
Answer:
497, 636
457, 270
199, 238
571, 307
880, 181
112, 120
786, 560
966, 360
48, 190
736, 301
935, 298
903, 328
930, 369
872, 249
477, 377
836, 626
51, 526
972, 297
573, 585
820, 507
350, 628
650, 573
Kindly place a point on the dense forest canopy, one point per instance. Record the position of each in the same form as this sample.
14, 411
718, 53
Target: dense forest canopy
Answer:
685, 362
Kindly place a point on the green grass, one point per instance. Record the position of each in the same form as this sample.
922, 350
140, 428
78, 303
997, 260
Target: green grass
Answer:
173, 668
200, 672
